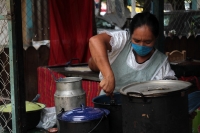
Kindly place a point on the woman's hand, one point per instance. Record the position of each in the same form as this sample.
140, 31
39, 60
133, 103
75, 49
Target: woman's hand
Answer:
108, 84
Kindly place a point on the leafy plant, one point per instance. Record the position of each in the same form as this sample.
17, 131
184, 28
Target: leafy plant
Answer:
192, 27
187, 1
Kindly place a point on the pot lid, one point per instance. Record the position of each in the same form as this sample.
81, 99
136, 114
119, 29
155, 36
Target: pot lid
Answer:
154, 87
30, 106
83, 114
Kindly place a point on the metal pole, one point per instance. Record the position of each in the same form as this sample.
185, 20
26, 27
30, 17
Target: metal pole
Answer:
16, 66
158, 10
194, 4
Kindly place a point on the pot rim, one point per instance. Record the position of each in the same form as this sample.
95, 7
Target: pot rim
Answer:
2, 107
83, 114
167, 88
84, 121
107, 103
68, 79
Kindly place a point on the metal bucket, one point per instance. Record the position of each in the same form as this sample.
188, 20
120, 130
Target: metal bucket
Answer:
84, 120
115, 116
69, 94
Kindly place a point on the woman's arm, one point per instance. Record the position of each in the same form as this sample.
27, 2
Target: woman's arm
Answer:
92, 65
99, 45
165, 72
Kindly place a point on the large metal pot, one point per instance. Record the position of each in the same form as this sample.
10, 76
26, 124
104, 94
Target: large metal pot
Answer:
155, 107
115, 116
84, 120
69, 94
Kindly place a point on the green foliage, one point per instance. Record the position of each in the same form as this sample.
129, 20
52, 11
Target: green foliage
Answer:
192, 28
141, 2
188, 1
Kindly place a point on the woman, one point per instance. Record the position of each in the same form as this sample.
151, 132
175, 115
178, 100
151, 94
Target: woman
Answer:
122, 60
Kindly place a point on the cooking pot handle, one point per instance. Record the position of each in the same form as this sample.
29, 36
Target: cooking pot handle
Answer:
139, 94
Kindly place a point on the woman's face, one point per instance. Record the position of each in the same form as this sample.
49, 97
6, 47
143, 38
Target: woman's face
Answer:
143, 36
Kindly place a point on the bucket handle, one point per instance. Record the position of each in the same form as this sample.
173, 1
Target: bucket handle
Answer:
96, 124
105, 115
139, 94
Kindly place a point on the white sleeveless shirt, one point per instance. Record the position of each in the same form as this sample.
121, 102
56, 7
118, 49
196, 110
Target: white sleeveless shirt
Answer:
118, 41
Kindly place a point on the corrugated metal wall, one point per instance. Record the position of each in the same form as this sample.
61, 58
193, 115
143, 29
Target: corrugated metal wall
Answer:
35, 22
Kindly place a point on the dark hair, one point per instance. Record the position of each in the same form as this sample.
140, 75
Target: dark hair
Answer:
145, 18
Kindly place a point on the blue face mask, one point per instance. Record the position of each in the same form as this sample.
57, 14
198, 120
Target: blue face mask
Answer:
141, 50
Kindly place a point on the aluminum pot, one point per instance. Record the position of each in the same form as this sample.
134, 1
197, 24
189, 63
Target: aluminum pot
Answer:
115, 116
159, 106
69, 94
84, 120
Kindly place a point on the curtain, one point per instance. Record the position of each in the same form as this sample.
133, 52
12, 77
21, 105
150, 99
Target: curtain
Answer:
70, 29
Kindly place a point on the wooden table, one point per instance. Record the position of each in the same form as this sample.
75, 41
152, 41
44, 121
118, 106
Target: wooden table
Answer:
77, 71
187, 68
